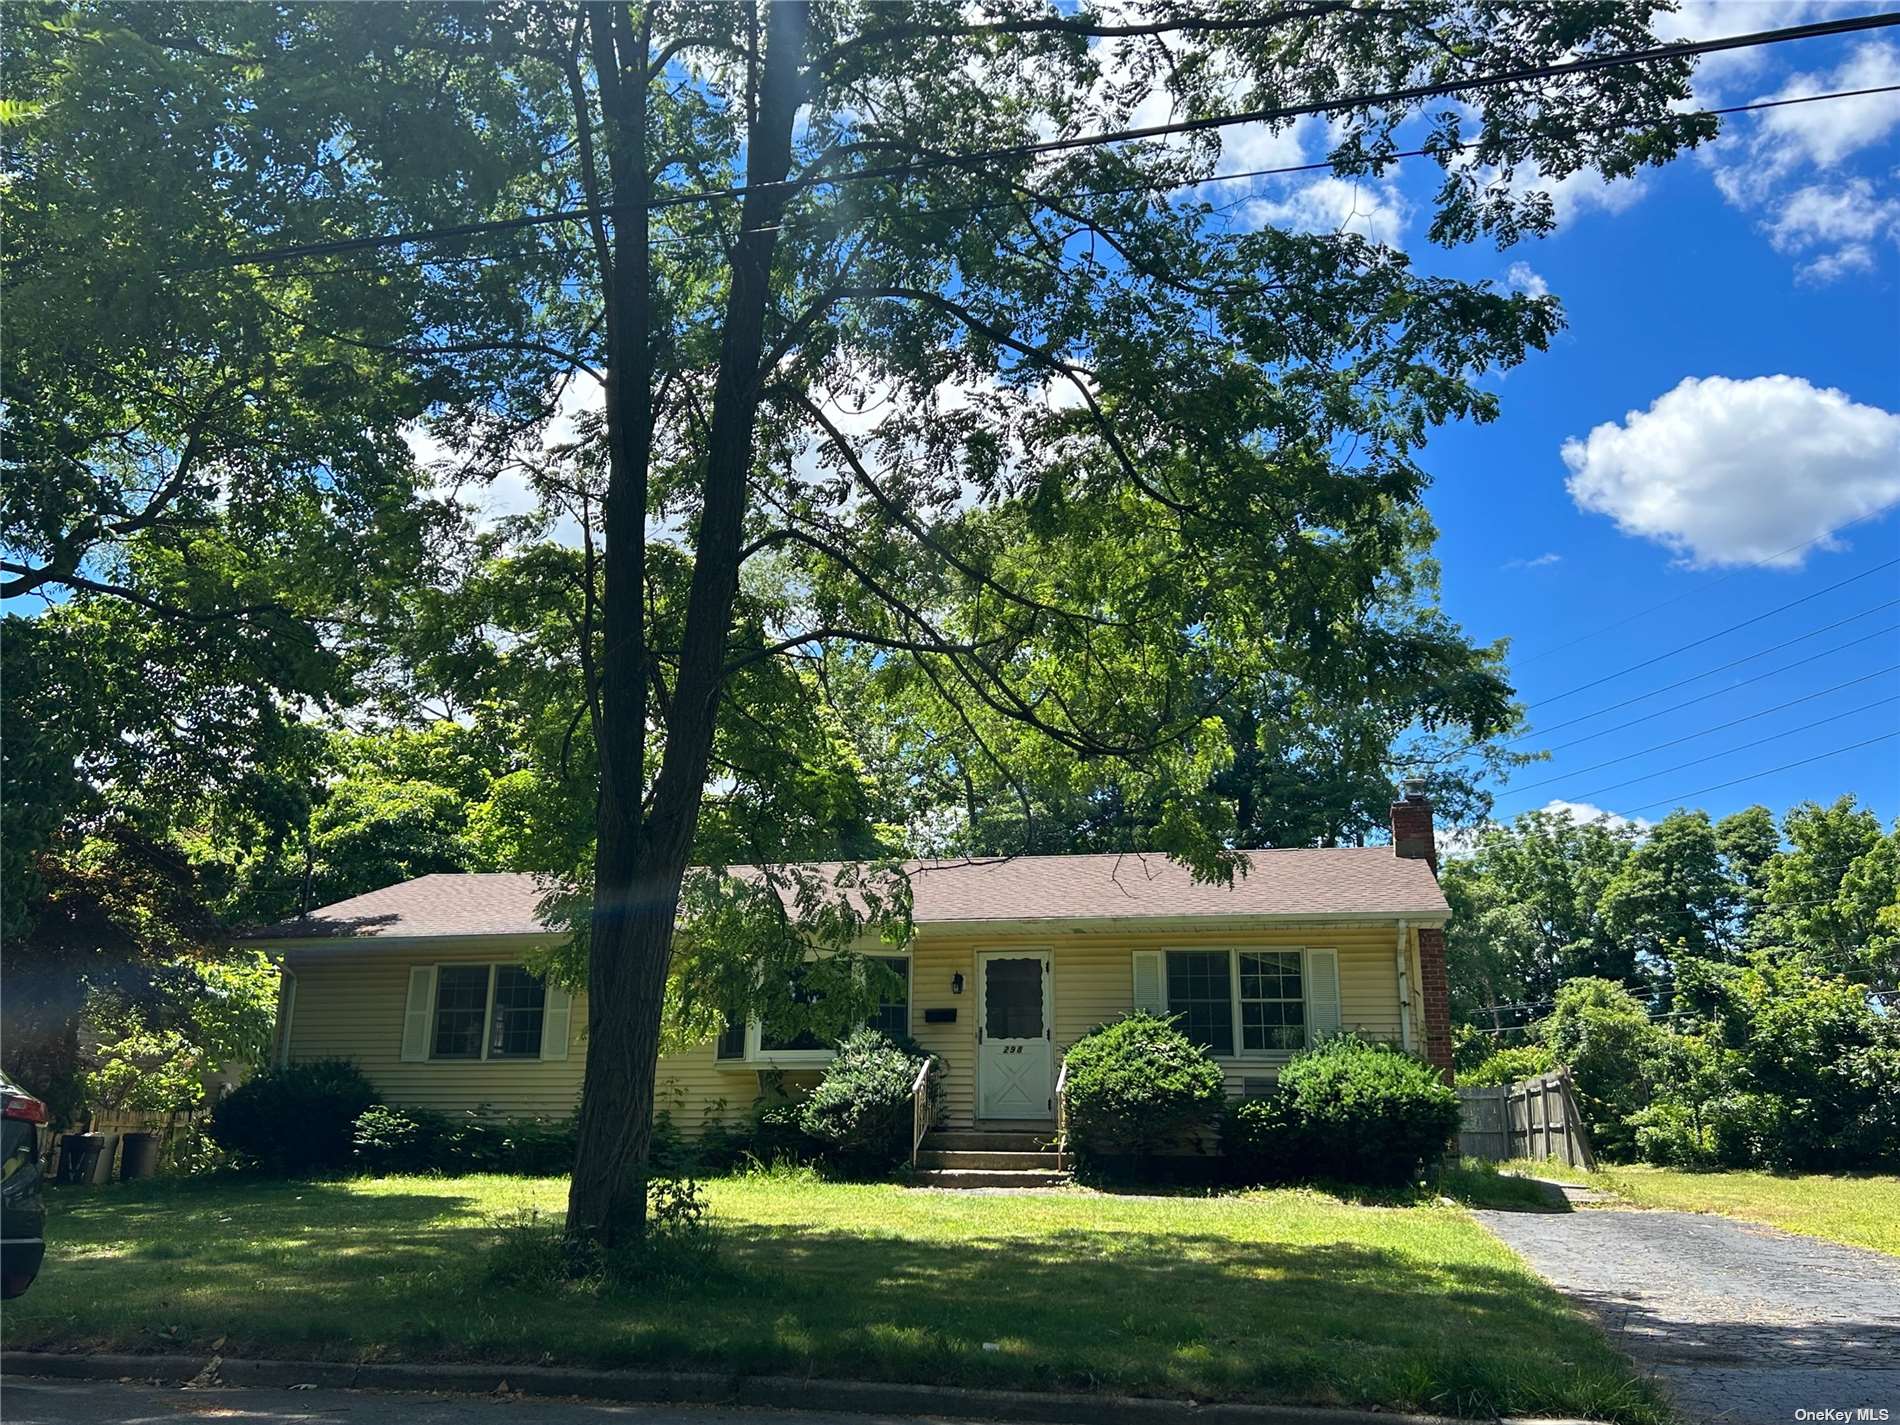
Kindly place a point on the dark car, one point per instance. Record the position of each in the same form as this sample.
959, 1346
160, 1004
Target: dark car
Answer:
22, 1209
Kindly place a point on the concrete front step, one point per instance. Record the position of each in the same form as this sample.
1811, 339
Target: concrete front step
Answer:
988, 1140
1016, 1161
988, 1178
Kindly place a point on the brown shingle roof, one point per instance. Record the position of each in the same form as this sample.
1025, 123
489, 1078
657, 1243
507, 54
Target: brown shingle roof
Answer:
1324, 882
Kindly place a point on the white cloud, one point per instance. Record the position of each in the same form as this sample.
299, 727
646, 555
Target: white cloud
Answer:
1788, 166
1541, 561
1522, 277
1734, 472
1828, 132
1587, 813
1834, 228
1376, 211
1578, 193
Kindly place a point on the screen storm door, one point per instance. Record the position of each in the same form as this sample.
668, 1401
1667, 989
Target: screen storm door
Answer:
1015, 1053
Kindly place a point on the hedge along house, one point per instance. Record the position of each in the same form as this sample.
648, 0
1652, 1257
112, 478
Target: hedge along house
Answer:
422, 984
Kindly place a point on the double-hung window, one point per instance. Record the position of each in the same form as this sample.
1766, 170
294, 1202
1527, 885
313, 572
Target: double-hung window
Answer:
760, 1043
480, 1012
1241, 1004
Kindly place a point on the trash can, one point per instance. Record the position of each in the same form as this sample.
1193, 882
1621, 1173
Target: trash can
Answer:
87, 1157
140, 1156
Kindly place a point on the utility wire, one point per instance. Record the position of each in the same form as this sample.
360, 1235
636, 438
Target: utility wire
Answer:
932, 162
1726, 688
1731, 751
1704, 588
1681, 797
1719, 633
1719, 727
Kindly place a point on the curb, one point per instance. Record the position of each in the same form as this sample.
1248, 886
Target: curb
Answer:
703, 1388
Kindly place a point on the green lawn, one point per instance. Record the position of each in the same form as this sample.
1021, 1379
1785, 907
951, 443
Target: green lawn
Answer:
1271, 1295
1861, 1211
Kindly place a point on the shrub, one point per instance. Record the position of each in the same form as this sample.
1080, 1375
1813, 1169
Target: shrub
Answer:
1138, 1083
860, 1113
417, 1140
295, 1119
1603, 1034
1507, 1066
1351, 1110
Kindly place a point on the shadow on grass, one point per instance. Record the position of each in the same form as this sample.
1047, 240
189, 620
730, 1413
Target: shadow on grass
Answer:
314, 1269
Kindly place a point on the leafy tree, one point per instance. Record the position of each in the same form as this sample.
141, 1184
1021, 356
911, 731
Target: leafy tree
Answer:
1748, 840
1022, 441
197, 1017
1529, 914
1674, 894
1603, 1035
1836, 891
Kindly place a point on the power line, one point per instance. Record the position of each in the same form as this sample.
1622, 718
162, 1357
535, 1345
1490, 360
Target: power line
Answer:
1731, 751
1769, 772
932, 162
1704, 588
1719, 633
1719, 727
1728, 688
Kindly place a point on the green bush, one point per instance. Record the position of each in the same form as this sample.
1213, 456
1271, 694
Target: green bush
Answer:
1603, 1034
418, 1140
859, 1115
1137, 1084
295, 1119
1350, 1110
1508, 1066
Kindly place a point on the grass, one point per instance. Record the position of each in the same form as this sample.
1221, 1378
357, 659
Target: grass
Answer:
1862, 1210
1282, 1295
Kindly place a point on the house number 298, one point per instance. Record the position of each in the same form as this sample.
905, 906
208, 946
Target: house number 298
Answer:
1012, 1048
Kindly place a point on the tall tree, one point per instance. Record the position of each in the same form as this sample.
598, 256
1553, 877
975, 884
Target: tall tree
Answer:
997, 408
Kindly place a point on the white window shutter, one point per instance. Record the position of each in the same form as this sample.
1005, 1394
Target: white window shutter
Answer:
415, 1019
286, 1016
1322, 994
557, 1012
1150, 997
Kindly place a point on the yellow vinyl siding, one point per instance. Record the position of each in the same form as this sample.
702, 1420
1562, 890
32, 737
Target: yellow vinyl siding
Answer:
350, 1005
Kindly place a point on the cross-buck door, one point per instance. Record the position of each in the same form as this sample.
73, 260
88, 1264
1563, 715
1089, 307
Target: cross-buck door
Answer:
1015, 1056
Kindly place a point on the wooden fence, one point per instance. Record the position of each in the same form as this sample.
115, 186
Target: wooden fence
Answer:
1534, 1118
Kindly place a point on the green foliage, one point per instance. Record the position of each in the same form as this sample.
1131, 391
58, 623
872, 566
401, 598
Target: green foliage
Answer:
196, 1017
1349, 1110
861, 1111
1527, 911
296, 1119
1798, 1068
1508, 1066
1138, 1083
388, 1139
1603, 1034
531, 1250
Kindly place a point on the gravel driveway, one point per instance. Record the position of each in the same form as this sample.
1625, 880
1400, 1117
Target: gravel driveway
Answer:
1742, 1323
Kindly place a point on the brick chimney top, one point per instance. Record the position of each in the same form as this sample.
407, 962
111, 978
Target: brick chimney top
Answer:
1412, 835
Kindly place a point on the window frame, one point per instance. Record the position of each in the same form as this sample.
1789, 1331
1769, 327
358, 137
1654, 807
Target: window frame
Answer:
494, 968
757, 1056
1242, 1054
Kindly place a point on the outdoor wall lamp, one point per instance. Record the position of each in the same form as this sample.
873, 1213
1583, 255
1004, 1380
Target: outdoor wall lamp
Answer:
956, 983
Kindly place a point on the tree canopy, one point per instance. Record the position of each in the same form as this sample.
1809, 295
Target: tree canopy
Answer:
914, 394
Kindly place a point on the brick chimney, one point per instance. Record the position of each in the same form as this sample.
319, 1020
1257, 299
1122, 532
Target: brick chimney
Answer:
1412, 836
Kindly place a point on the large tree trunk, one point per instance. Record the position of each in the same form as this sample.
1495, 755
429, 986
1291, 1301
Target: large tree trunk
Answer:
640, 860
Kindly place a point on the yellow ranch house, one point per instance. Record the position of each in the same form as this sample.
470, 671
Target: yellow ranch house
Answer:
1012, 959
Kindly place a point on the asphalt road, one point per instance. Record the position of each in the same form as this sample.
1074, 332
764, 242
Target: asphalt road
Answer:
1744, 1325
27, 1401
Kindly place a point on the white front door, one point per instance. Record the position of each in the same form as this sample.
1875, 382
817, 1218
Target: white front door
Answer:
1015, 1054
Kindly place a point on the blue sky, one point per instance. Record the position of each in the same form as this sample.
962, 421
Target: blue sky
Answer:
1728, 386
